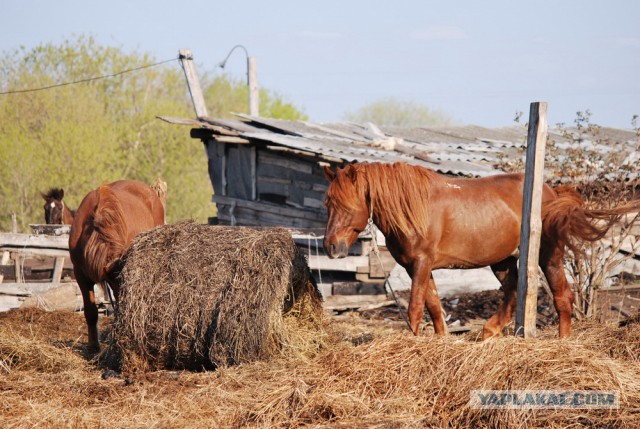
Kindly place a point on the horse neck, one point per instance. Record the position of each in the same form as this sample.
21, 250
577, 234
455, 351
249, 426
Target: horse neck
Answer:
67, 215
399, 210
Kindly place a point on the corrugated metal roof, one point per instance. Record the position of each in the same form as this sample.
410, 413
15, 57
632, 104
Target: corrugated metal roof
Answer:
457, 150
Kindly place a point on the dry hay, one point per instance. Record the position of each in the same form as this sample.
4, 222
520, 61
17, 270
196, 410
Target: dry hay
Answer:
198, 297
21, 347
392, 381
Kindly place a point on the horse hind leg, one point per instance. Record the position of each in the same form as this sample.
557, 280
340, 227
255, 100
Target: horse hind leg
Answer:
553, 268
506, 272
434, 308
90, 310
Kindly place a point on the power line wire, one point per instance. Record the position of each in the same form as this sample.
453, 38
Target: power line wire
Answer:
88, 79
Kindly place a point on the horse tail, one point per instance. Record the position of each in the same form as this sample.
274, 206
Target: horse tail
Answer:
160, 187
569, 222
109, 239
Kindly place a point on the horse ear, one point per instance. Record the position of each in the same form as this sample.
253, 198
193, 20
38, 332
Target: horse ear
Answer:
350, 171
61, 193
44, 196
329, 174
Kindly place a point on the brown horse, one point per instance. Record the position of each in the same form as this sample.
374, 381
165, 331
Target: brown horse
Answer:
432, 221
105, 224
55, 210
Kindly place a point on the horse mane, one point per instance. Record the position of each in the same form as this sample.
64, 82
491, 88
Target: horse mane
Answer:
54, 193
398, 193
108, 240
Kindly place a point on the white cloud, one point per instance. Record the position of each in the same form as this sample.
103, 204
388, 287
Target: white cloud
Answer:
440, 32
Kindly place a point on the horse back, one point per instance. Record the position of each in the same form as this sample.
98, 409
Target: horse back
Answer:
477, 220
144, 207
106, 222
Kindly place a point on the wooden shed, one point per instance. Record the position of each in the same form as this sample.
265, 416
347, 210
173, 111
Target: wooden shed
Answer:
270, 172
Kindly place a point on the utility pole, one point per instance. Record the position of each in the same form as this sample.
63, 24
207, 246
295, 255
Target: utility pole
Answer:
252, 80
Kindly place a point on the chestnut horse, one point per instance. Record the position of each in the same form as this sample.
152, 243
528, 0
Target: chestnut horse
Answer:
432, 221
55, 210
105, 224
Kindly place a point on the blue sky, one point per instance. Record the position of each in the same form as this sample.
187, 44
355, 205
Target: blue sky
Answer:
480, 62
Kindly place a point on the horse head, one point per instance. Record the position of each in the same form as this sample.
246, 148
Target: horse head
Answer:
346, 202
53, 206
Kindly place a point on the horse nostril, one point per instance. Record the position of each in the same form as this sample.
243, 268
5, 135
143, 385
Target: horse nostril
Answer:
343, 248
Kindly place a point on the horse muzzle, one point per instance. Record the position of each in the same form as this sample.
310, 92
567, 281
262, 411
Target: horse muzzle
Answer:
338, 250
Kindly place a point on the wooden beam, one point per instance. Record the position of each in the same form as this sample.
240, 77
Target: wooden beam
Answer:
193, 83
527, 294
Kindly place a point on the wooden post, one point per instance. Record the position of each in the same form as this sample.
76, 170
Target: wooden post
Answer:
57, 270
254, 92
527, 295
18, 263
193, 83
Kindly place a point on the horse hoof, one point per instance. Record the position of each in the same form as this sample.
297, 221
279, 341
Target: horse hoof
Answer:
110, 374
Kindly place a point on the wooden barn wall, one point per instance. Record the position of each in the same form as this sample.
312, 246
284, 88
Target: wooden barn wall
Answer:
216, 166
240, 172
256, 186
294, 181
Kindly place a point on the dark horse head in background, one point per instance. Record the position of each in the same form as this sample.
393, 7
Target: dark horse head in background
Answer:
55, 210
431, 221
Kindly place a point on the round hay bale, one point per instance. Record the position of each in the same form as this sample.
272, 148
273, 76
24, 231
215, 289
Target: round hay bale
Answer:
198, 297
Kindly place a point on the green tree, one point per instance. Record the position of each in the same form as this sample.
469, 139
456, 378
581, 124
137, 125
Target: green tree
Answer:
79, 136
393, 112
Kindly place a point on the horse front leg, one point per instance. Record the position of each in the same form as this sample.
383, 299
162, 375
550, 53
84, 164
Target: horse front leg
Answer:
423, 292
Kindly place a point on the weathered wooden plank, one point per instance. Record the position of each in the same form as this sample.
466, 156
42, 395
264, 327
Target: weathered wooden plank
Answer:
313, 203
36, 251
271, 208
50, 229
359, 288
231, 139
28, 289
345, 302
275, 180
30, 240
249, 217
267, 158
294, 151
